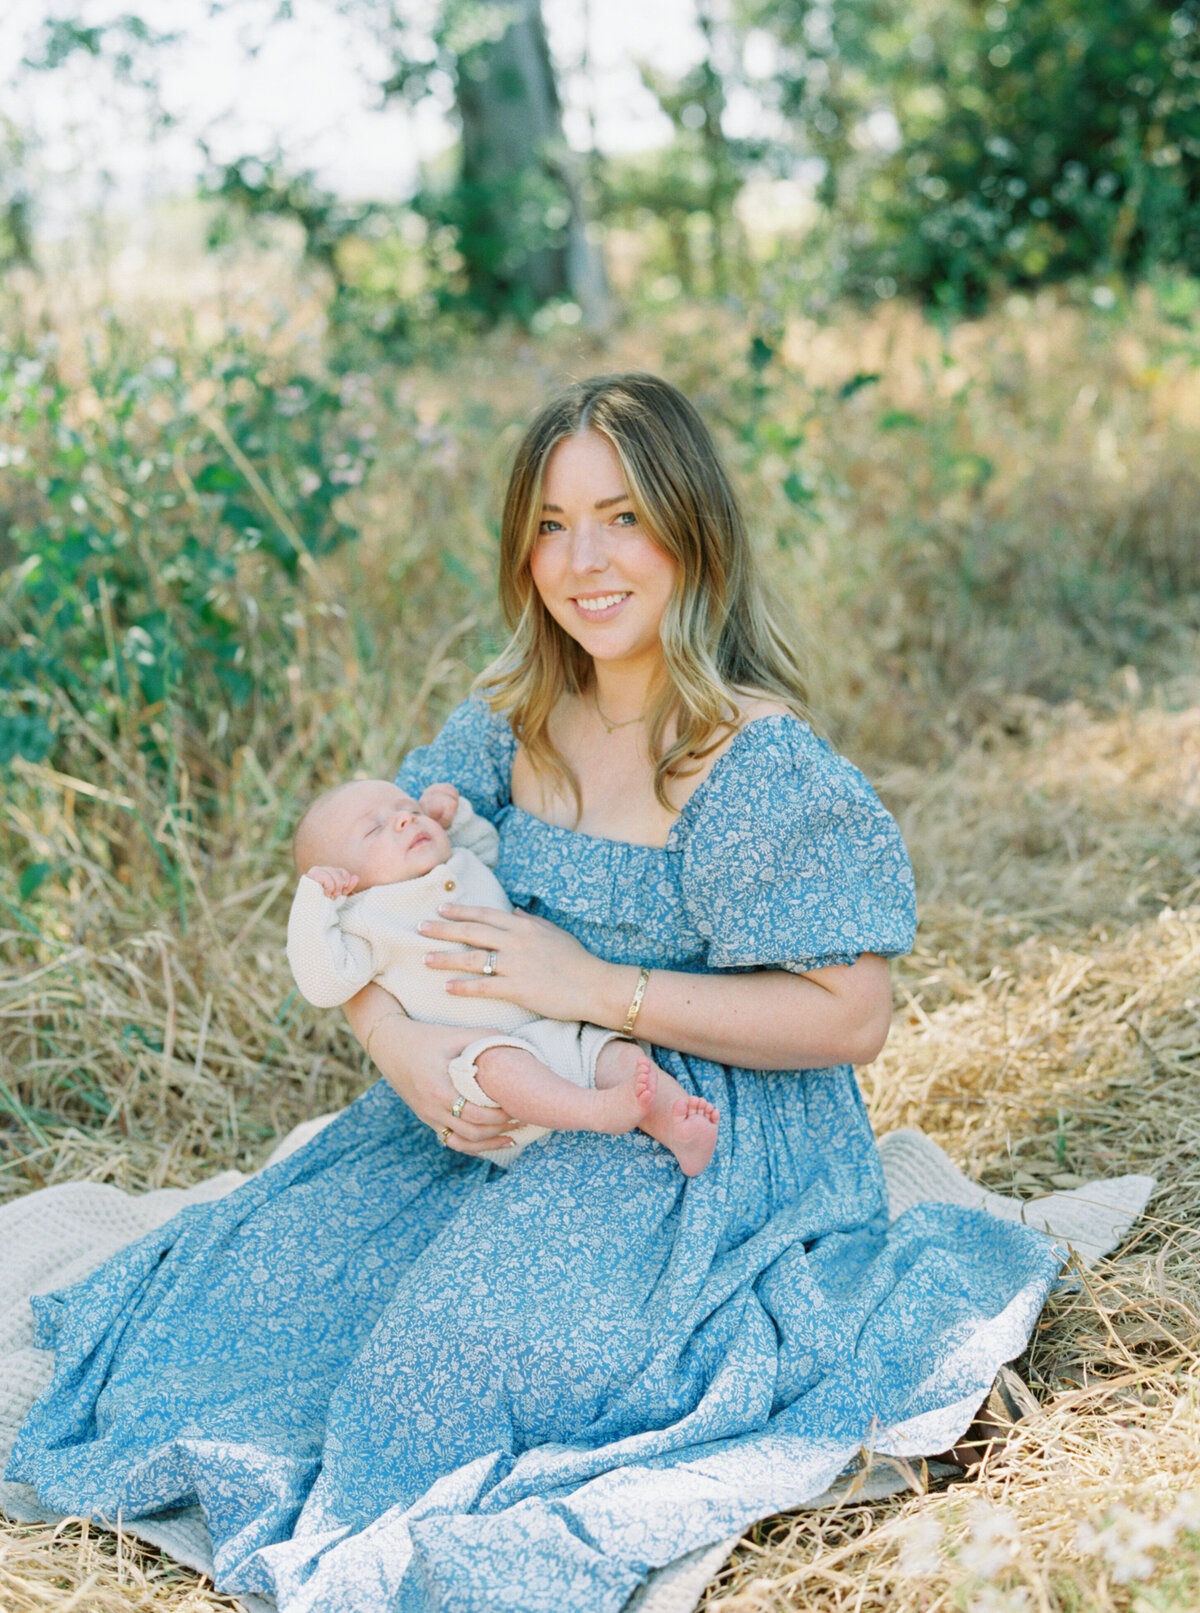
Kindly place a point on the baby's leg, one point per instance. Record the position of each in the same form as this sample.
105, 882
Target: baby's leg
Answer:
531, 1092
685, 1125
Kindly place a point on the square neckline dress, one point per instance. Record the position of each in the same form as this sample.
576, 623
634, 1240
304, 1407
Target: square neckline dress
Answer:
398, 1378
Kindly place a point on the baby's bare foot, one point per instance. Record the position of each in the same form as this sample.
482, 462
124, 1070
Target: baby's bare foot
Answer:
691, 1133
624, 1107
645, 1086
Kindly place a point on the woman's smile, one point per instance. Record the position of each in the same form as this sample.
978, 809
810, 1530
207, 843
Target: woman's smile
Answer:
601, 607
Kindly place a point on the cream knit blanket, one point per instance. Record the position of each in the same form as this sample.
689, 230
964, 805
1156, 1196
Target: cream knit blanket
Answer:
53, 1238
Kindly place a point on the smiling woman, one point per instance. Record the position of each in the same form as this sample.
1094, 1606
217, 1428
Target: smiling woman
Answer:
397, 1377
646, 542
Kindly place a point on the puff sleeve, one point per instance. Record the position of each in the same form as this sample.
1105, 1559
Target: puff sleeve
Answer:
790, 859
473, 751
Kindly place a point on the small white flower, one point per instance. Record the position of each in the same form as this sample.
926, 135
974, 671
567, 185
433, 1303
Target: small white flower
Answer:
991, 1599
290, 401
355, 389
1125, 1539
346, 472
993, 1542
309, 483
1185, 1514
921, 1550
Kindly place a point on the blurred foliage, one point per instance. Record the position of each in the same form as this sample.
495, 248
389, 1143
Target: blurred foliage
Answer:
157, 516
963, 146
16, 203
1033, 139
124, 43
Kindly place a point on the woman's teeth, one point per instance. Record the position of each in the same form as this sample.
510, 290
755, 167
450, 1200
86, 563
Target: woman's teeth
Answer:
604, 602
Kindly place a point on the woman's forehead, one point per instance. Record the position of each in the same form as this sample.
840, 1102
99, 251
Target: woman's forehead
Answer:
583, 466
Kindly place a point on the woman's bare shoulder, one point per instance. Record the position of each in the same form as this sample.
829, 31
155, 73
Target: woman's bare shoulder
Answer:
751, 706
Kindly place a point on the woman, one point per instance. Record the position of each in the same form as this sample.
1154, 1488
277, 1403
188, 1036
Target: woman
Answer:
397, 1377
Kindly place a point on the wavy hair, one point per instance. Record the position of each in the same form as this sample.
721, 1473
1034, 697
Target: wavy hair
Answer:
720, 637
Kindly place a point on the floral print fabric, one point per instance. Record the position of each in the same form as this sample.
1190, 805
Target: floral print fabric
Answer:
397, 1378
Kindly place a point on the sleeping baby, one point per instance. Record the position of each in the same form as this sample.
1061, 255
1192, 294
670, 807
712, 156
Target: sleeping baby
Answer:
374, 864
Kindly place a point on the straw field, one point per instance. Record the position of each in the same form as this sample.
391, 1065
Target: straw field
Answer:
989, 536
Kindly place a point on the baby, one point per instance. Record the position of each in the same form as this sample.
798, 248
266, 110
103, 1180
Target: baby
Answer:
373, 864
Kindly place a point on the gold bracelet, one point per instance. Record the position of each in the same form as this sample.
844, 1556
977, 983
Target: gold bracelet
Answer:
635, 1007
391, 1014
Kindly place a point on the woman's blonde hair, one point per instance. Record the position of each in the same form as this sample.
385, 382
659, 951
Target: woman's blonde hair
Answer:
720, 638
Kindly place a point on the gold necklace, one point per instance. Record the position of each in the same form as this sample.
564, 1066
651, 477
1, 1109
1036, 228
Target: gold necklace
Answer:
611, 727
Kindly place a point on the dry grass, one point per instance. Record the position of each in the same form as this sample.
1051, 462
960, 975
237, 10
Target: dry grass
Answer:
1048, 1025
1045, 1042
77, 1569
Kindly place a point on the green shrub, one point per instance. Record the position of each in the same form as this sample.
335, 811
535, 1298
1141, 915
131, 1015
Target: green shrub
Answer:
159, 510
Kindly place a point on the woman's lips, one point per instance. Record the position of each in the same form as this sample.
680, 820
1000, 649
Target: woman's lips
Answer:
600, 607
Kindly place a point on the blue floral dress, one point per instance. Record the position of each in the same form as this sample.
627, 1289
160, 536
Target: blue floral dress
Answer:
398, 1378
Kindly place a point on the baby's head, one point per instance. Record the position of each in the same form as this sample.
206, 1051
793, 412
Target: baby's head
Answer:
372, 829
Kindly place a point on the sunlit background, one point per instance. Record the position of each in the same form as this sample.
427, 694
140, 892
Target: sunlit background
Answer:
281, 282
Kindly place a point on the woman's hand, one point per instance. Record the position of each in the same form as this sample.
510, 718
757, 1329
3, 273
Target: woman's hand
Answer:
413, 1057
537, 965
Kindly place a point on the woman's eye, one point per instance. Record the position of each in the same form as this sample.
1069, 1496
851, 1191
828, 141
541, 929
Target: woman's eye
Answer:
546, 528
627, 518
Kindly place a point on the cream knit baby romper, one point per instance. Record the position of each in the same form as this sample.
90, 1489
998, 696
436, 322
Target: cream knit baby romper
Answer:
336, 945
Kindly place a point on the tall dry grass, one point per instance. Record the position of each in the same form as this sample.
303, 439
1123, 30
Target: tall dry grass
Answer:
992, 549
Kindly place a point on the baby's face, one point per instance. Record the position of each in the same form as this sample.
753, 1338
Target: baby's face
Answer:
379, 833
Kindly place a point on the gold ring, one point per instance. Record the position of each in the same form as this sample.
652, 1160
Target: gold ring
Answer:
459, 1104
489, 967
443, 1135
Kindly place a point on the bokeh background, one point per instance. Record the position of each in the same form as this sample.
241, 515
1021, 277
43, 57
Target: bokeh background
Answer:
280, 283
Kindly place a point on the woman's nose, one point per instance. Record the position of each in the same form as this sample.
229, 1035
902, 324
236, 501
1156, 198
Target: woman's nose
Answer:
588, 551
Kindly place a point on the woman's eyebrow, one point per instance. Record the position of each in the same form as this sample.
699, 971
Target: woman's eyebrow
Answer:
601, 503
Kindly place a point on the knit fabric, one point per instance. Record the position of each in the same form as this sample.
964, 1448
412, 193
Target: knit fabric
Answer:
337, 945
564, 1046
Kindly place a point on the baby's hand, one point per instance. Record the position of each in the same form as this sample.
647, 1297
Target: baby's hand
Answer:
440, 802
334, 881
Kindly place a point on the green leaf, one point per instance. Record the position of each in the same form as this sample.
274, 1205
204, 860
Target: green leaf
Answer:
797, 489
857, 382
761, 354
32, 877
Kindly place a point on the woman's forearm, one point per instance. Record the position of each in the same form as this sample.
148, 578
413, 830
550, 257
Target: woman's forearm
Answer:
761, 1020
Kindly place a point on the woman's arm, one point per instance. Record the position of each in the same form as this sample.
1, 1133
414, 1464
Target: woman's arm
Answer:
764, 1019
412, 1057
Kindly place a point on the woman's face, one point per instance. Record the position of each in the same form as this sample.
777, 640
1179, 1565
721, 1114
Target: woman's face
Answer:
598, 571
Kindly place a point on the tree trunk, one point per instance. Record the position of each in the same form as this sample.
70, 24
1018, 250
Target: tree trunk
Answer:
524, 237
